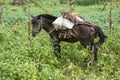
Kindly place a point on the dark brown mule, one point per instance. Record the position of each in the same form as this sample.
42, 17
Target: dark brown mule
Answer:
81, 33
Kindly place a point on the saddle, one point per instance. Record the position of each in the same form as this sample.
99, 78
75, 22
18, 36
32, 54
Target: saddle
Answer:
65, 35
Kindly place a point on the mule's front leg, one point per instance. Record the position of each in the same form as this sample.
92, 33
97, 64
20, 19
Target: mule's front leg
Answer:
57, 50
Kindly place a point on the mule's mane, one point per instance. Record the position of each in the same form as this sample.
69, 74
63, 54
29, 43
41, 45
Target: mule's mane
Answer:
48, 16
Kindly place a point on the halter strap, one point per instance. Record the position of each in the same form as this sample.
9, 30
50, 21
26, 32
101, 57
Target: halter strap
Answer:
40, 23
51, 30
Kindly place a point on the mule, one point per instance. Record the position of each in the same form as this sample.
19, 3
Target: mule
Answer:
80, 32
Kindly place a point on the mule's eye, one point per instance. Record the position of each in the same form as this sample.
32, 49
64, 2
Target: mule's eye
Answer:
33, 22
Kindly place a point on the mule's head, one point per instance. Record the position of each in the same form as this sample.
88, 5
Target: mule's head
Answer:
36, 25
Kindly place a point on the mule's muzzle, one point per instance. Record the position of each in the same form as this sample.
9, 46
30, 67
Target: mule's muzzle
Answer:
34, 34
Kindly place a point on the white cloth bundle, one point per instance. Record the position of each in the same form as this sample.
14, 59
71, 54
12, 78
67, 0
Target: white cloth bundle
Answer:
63, 23
80, 19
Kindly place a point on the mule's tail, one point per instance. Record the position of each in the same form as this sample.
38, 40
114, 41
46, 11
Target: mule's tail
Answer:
99, 33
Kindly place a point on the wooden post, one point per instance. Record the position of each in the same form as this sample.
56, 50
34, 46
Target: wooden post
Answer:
110, 17
26, 9
1, 15
29, 23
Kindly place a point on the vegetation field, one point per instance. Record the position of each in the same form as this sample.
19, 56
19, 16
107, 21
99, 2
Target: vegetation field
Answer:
23, 57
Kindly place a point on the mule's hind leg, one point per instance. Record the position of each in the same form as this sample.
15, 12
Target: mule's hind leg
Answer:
56, 45
92, 47
95, 53
84, 43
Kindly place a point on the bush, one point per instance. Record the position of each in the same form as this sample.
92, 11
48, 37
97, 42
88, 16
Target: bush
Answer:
84, 2
88, 2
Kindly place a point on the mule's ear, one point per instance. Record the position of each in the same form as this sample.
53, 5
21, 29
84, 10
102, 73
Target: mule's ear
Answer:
32, 16
38, 17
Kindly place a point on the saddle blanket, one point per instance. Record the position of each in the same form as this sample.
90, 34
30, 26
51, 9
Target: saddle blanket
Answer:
63, 23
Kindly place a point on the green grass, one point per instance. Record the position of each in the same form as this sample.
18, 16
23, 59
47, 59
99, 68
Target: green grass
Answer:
25, 58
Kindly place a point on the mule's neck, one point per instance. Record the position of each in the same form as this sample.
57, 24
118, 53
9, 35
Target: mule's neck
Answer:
47, 25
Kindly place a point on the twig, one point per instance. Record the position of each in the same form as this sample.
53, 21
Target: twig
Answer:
104, 6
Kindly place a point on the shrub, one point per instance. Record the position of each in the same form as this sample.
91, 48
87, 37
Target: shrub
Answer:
84, 2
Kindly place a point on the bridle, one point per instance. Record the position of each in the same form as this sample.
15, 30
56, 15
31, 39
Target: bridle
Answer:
40, 24
37, 26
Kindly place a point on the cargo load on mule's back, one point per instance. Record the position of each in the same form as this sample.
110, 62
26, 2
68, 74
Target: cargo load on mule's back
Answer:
68, 20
